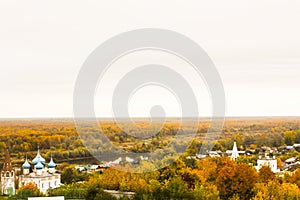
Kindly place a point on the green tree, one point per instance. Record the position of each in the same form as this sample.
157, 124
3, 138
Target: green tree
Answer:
178, 189
29, 190
289, 137
206, 192
69, 175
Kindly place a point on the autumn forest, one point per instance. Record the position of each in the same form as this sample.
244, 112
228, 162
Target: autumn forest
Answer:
186, 178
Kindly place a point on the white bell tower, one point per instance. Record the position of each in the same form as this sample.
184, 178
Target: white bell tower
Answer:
7, 176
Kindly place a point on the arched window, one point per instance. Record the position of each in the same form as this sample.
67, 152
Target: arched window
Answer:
12, 173
7, 174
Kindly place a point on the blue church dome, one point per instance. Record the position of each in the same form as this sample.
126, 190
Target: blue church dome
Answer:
51, 163
39, 165
38, 158
26, 164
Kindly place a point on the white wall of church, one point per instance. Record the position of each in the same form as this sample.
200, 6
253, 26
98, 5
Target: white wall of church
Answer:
43, 183
272, 163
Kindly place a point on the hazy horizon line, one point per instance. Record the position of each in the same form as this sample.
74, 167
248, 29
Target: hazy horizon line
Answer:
173, 117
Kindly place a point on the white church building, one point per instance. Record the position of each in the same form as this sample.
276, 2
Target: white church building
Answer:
267, 161
40, 173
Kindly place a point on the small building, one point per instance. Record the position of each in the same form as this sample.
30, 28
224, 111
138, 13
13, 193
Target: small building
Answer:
201, 156
7, 176
80, 168
296, 145
213, 154
291, 160
115, 162
129, 160
92, 168
290, 148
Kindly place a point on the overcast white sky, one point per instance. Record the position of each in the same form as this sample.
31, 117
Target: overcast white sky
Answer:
254, 44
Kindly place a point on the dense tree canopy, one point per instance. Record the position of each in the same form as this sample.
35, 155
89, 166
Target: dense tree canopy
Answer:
209, 178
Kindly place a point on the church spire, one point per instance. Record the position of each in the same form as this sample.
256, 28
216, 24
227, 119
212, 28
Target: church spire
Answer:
7, 162
235, 152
